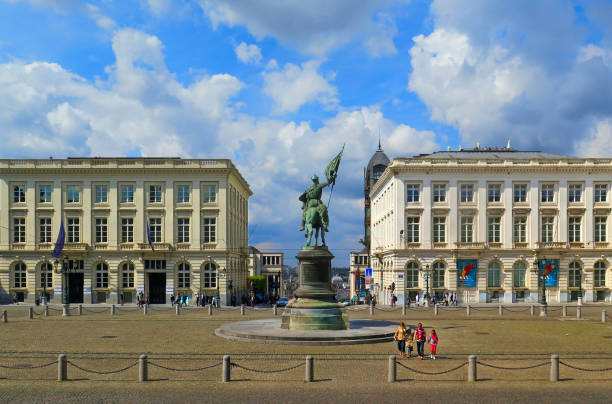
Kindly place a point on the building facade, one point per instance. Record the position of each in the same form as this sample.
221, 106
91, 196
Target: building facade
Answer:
270, 265
194, 211
359, 261
484, 223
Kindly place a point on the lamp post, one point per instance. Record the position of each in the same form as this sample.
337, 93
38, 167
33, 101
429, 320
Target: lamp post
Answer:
220, 274
426, 275
64, 269
542, 278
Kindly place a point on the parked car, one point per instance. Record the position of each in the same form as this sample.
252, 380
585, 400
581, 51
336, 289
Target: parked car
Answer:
282, 301
346, 303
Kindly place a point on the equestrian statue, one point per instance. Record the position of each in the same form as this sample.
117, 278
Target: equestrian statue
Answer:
314, 212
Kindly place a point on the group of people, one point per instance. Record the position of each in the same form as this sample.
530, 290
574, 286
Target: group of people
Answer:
141, 299
449, 299
406, 337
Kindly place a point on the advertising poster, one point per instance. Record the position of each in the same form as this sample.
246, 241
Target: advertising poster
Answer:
550, 270
466, 273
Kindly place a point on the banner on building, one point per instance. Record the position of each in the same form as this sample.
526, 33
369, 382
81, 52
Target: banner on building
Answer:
549, 269
466, 273
87, 290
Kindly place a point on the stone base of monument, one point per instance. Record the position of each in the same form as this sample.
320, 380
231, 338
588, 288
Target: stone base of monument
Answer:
269, 331
308, 318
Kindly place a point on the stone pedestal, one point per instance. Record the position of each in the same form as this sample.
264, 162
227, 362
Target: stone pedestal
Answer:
313, 307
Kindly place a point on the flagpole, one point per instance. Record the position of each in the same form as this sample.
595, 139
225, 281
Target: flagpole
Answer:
331, 191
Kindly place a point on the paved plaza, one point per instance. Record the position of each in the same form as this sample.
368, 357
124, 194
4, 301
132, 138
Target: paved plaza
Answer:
97, 344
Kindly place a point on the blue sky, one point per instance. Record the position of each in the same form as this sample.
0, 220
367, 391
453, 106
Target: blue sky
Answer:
279, 86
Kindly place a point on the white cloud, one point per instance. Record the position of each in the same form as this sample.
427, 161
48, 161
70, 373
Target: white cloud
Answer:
314, 27
599, 141
101, 20
381, 41
295, 86
499, 70
248, 53
66, 6
159, 7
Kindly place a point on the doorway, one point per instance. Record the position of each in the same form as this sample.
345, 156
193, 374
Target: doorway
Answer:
75, 287
157, 288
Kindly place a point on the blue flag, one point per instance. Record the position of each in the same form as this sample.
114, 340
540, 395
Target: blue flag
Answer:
59, 244
149, 236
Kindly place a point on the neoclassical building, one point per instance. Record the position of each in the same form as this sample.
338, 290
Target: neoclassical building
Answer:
270, 265
483, 223
195, 212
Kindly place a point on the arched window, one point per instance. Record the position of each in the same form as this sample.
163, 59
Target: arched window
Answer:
19, 273
101, 275
600, 274
46, 275
494, 275
412, 274
183, 275
518, 274
379, 169
210, 275
575, 274
438, 275
127, 274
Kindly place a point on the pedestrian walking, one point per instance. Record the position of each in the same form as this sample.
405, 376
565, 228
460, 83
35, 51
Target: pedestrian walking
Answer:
400, 338
172, 300
409, 342
433, 344
420, 338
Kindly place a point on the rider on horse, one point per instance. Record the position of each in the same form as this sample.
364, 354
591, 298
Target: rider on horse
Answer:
311, 198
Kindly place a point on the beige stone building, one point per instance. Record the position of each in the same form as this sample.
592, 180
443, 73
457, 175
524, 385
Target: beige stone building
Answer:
195, 210
270, 265
500, 212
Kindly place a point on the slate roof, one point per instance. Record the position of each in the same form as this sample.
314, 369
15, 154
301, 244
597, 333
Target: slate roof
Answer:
491, 153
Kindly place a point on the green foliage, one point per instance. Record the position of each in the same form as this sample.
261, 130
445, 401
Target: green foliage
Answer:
260, 282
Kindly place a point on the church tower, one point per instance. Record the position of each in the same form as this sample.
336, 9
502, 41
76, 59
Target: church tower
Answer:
377, 165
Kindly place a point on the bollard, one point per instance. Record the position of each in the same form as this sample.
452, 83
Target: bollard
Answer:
4, 316
371, 309
65, 310
501, 310
177, 309
275, 310
226, 374
564, 311
30, 313
62, 368
392, 372
143, 370
46, 310
404, 309
554, 368
112, 310
144, 309
533, 310
210, 309
472, 377
603, 316
580, 301
467, 309
80, 309
436, 309
578, 312
309, 377
543, 311
242, 310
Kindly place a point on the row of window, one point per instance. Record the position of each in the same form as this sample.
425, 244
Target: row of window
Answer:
209, 273
466, 229
494, 193
155, 193
494, 274
271, 260
73, 230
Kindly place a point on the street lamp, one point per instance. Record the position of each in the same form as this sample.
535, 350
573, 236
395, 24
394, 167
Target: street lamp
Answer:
66, 266
426, 275
542, 278
220, 274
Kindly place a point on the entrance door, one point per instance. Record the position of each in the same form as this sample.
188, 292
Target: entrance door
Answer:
157, 288
75, 287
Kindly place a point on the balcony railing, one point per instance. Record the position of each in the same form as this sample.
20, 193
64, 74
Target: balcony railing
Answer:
183, 246
520, 245
552, 244
601, 244
76, 246
156, 246
209, 246
470, 246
